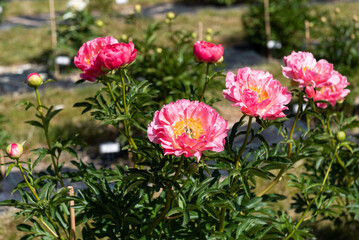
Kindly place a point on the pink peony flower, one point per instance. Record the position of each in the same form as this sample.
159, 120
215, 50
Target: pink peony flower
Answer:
14, 150
116, 56
332, 94
188, 128
208, 52
86, 57
303, 68
257, 93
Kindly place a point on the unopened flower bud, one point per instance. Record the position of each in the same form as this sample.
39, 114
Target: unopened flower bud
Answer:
171, 15
208, 38
352, 36
124, 37
99, 23
209, 30
137, 8
340, 136
192, 168
323, 19
14, 150
159, 50
355, 18
34, 80
194, 35
337, 10
167, 21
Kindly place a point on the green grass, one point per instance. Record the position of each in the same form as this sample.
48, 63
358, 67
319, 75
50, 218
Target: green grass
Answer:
21, 45
17, 115
33, 7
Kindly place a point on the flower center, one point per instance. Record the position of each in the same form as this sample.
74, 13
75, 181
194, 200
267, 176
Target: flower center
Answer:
191, 127
262, 94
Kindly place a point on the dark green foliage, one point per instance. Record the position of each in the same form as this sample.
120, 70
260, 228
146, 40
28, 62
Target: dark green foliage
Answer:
287, 25
78, 27
338, 43
168, 67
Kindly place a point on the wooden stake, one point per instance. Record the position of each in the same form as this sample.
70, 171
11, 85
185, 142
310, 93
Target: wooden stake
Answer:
200, 31
72, 215
53, 35
307, 34
2, 167
267, 26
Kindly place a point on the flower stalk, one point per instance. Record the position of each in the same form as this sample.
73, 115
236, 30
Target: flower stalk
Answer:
311, 202
206, 83
55, 162
278, 178
38, 200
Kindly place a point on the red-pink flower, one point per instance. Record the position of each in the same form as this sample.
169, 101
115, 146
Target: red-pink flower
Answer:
207, 52
257, 93
116, 55
86, 57
188, 128
303, 68
332, 94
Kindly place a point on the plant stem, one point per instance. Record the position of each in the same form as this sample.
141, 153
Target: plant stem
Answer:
205, 84
178, 169
289, 153
37, 198
168, 200
341, 163
221, 219
113, 96
244, 143
45, 126
130, 139
290, 144
27, 182
311, 202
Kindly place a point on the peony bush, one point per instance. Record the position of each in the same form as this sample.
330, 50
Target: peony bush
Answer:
191, 175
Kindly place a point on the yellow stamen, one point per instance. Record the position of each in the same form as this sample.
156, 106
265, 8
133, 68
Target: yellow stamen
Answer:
191, 127
262, 94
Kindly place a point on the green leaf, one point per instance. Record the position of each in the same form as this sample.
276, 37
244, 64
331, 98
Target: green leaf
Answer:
35, 123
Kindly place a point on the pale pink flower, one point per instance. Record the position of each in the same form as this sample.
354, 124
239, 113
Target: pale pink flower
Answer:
116, 55
332, 94
187, 128
256, 93
303, 68
86, 57
207, 52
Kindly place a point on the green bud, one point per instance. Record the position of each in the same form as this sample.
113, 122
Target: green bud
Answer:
340, 136
192, 168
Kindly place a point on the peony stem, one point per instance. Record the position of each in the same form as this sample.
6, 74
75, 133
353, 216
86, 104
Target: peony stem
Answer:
55, 163
311, 202
38, 199
27, 182
168, 200
130, 139
206, 83
289, 153
113, 96
221, 219
341, 163
244, 143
